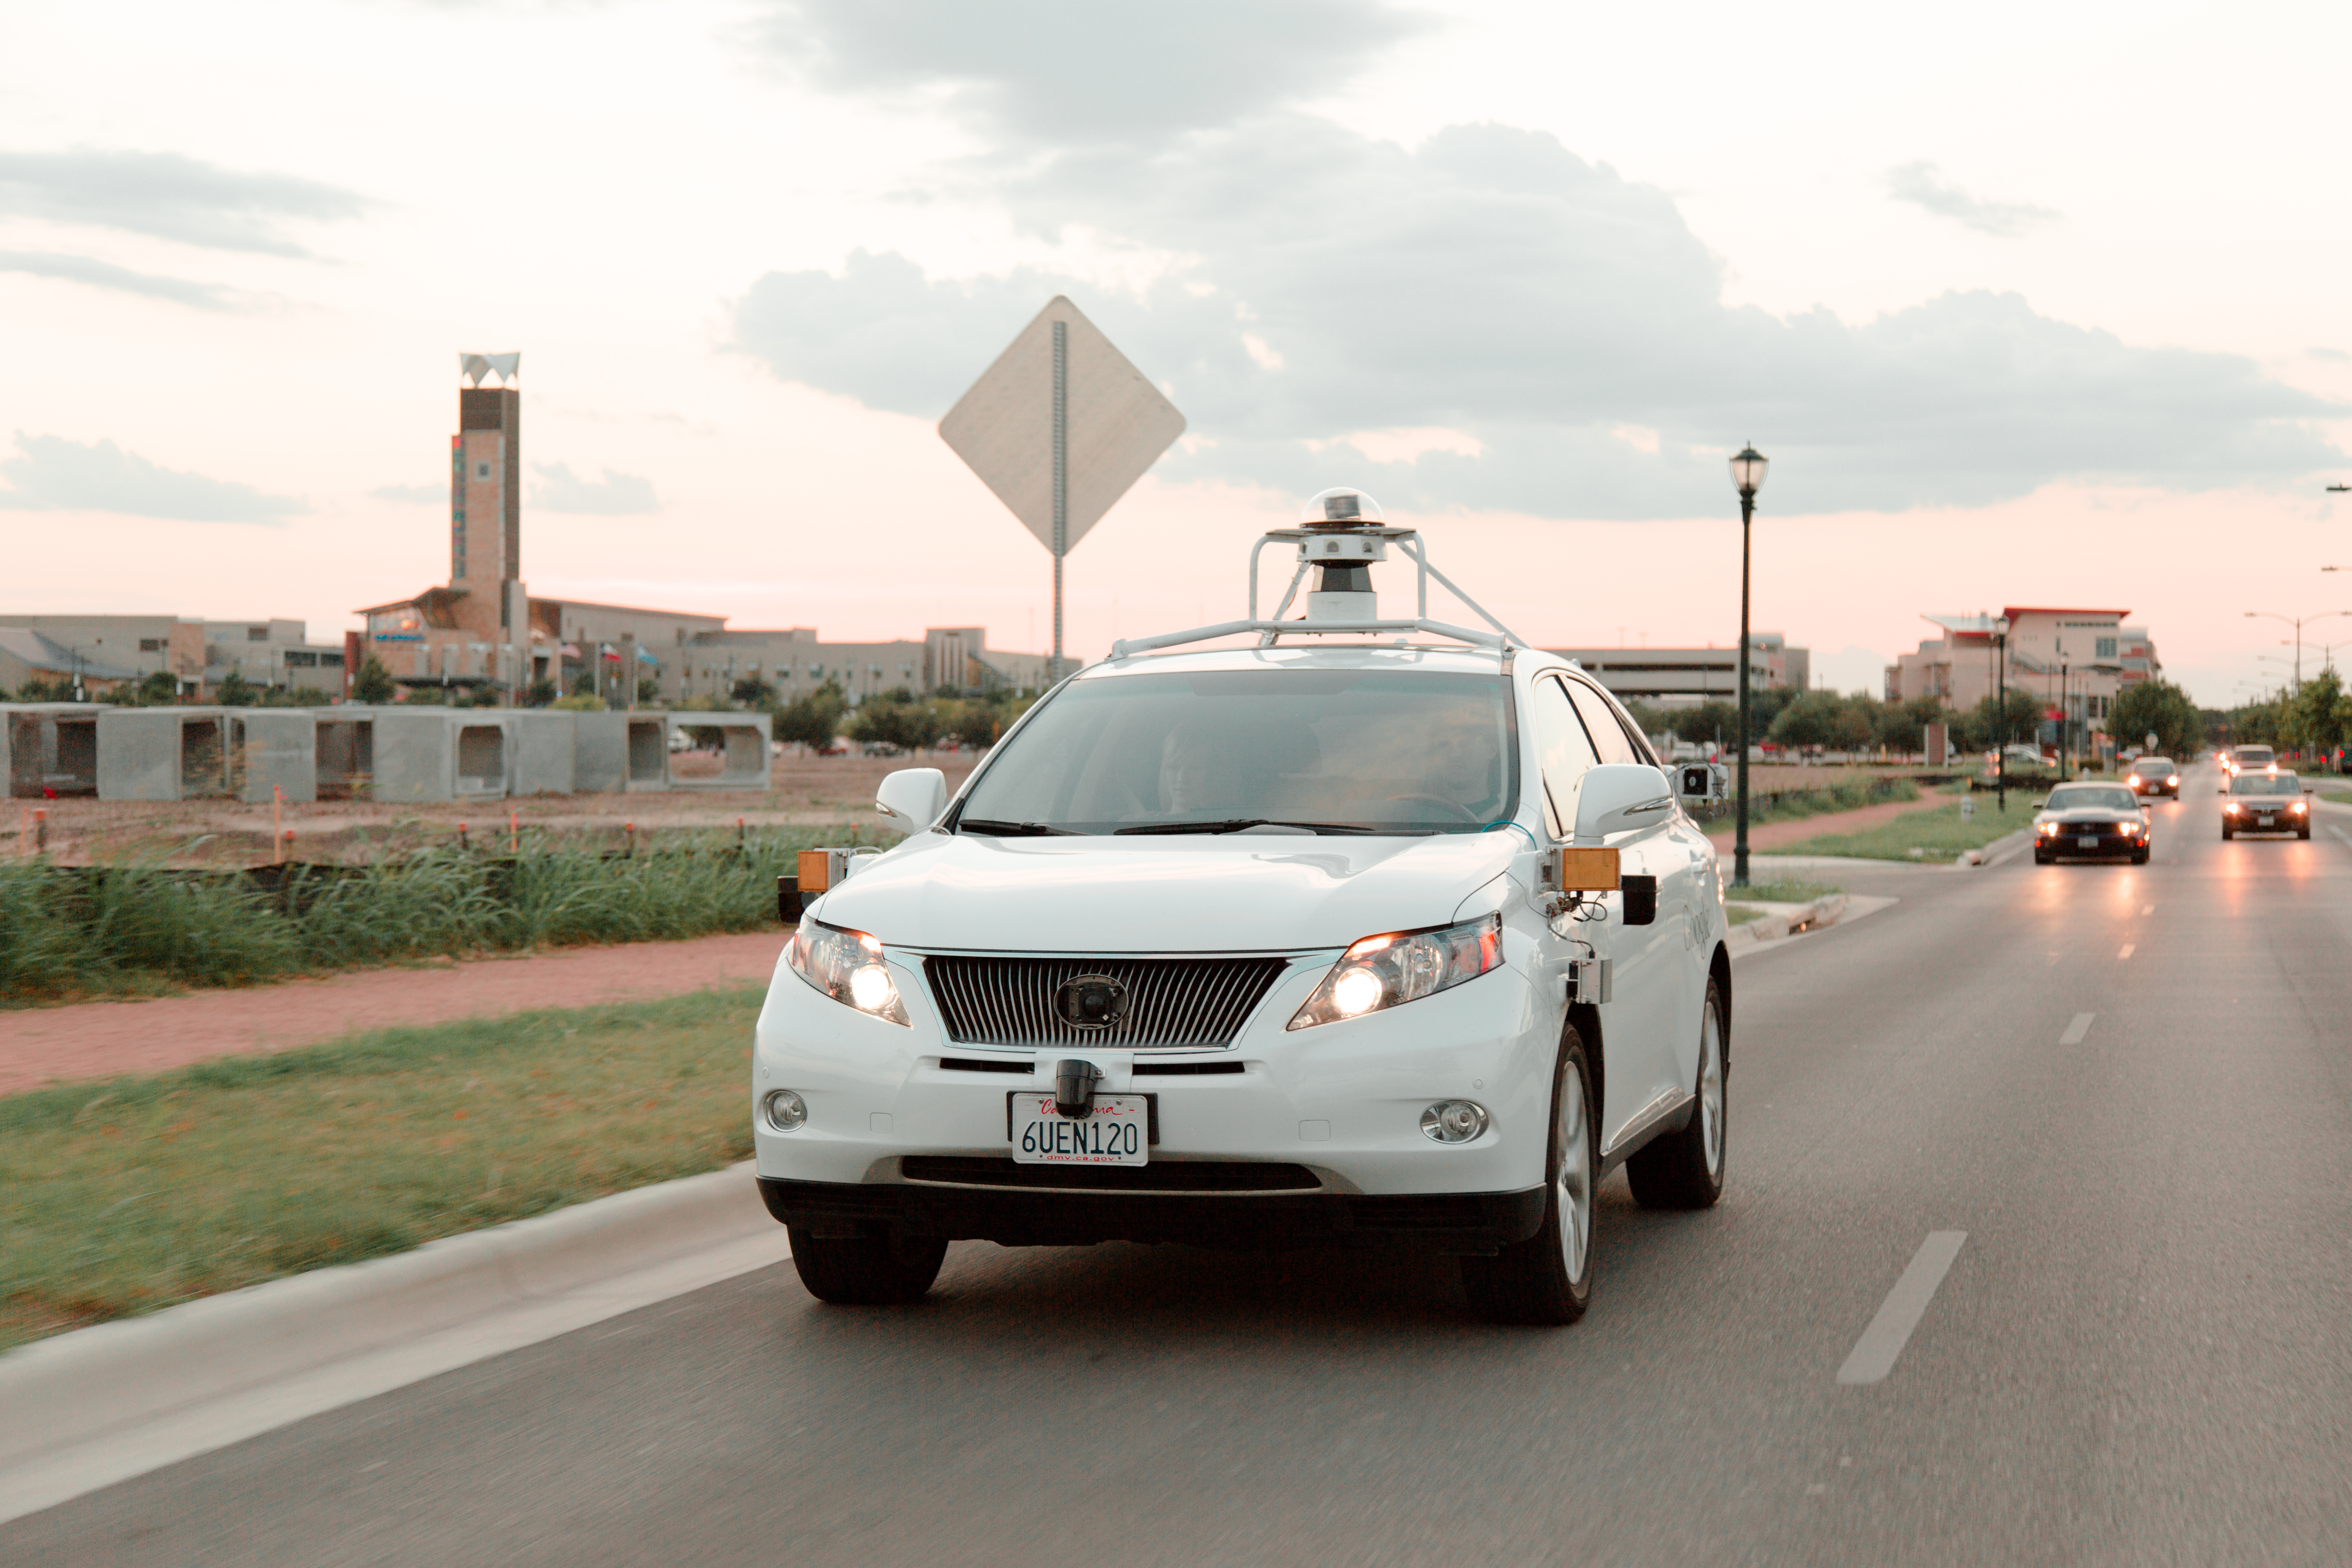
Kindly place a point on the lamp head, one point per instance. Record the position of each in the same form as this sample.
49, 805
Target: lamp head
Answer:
1747, 466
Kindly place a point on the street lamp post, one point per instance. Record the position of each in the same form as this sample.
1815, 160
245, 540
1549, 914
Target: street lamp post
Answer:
2001, 716
2298, 623
1747, 466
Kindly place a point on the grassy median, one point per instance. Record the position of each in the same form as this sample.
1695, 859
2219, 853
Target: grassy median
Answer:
1941, 834
121, 1197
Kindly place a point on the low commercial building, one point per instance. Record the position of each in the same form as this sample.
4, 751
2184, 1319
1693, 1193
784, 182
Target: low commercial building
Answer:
2078, 661
1684, 676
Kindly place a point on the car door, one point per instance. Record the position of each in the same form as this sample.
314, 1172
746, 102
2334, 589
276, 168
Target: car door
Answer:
1565, 753
1659, 1027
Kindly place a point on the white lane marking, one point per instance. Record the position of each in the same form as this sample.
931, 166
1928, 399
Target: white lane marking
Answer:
1875, 1353
2127, 952
2077, 1029
2339, 833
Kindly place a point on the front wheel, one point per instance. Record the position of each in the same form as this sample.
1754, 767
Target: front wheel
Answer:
2228, 832
1685, 1169
1548, 1278
866, 1271
2140, 857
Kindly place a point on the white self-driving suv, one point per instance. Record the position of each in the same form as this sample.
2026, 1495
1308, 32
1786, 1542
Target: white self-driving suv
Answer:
1357, 942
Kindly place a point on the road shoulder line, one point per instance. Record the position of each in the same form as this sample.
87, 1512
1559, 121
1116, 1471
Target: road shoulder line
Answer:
1874, 1355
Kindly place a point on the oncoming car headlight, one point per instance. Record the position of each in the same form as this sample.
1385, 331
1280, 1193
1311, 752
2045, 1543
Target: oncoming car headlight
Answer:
847, 965
1403, 966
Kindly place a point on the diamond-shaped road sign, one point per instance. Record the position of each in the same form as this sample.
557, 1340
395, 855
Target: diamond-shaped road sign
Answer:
1114, 425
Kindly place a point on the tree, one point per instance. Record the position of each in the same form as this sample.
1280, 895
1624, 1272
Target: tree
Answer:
751, 691
372, 683
542, 694
2161, 706
235, 691
1809, 722
648, 690
2321, 714
890, 720
813, 719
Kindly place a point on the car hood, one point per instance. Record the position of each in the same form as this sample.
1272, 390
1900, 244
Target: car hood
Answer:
1232, 893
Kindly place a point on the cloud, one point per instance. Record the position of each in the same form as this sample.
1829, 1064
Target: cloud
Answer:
614, 495
419, 495
1047, 71
1925, 187
50, 473
1492, 283
106, 275
169, 196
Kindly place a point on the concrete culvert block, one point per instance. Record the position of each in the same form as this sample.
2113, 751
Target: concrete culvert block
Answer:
49, 748
278, 752
743, 759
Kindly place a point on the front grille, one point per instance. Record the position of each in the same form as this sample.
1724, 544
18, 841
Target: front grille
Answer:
1171, 1001
1159, 1176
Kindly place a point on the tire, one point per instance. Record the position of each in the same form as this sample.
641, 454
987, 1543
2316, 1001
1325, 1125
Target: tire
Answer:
866, 1271
2139, 858
1548, 1278
1685, 1169
2043, 856
2303, 832
2228, 832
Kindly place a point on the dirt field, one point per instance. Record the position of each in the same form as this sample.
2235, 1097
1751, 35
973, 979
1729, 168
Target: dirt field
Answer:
806, 791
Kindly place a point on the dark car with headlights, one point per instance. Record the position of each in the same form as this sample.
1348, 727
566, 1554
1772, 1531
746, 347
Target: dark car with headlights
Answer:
2268, 802
2154, 775
2090, 821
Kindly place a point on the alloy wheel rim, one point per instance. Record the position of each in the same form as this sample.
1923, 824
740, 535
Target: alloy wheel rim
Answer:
1575, 1176
1710, 1093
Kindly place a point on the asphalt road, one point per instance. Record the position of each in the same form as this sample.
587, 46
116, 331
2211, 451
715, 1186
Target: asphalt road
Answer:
2141, 1351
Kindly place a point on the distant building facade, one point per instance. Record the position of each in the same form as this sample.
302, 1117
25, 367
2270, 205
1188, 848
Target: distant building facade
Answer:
2077, 660
1684, 676
486, 629
198, 655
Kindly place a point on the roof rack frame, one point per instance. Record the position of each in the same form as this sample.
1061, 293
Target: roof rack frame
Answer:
1501, 638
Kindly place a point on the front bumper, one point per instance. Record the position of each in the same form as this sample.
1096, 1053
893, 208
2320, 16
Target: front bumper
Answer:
1340, 1104
961, 1210
2068, 843
2270, 822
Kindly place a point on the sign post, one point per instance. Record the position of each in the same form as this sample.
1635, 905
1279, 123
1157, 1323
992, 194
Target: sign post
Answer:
1060, 428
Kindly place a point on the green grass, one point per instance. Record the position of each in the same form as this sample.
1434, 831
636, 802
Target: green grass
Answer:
2341, 797
125, 1195
1941, 832
1790, 805
138, 929
1739, 907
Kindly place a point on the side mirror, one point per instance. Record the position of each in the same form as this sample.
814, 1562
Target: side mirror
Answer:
2043, 802
1618, 797
913, 798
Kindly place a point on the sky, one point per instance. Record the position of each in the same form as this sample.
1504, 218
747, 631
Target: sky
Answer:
2044, 307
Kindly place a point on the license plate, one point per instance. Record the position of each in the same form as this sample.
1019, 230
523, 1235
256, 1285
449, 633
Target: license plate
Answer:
1118, 1132
2263, 820
2087, 841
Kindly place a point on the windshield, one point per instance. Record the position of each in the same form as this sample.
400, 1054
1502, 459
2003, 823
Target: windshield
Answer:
2094, 797
2267, 784
1361, 749
2147, 766
2255, 756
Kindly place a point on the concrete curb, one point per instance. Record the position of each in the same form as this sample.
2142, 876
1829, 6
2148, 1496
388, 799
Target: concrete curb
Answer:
59, 1391
1822, 911
1999, 850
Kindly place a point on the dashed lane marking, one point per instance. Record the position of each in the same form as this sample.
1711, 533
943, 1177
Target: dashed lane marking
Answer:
1875, 1353
2077, 1029
2127, 952
2339, 833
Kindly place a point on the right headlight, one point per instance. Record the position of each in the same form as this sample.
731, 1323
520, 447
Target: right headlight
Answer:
1403, 966
847, 965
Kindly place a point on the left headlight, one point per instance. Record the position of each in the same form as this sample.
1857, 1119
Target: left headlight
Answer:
1403, 966
847, 965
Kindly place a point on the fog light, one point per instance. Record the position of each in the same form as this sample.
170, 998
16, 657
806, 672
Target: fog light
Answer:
1454, 1121
786, 1112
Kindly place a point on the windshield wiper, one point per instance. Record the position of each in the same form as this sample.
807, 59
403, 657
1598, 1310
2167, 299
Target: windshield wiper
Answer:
1235, 825
1007, 829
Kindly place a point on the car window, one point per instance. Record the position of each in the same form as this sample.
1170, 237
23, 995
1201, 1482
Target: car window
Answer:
2267, 784
1416, 752
2154, 764
2255, 756
1563, 751
2094, 797
1608, 736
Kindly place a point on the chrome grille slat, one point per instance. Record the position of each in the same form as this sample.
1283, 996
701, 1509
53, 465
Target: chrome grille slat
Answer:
1172, 1002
